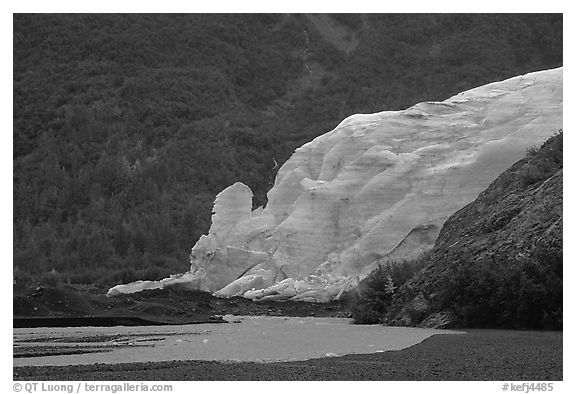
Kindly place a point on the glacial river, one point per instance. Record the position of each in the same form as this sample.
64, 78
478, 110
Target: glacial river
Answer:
250, 338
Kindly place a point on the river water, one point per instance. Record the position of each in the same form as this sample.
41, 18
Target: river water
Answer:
250, 338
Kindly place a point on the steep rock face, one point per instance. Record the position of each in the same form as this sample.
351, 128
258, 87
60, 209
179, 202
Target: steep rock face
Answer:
498, 261
377, 187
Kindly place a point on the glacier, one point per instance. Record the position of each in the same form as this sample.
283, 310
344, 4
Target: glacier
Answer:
376, 188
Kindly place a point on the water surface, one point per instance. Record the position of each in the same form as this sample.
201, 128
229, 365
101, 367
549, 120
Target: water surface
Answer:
252, 338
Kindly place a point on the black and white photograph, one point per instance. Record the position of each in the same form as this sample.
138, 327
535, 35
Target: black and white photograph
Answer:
287, 196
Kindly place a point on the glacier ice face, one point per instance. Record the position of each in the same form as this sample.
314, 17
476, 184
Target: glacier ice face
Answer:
378, 187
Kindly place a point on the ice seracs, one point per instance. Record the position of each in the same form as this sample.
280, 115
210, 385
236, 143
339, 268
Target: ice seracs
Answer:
378, 187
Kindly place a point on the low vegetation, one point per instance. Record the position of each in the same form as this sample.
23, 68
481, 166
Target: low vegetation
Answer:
377, 291
524, 293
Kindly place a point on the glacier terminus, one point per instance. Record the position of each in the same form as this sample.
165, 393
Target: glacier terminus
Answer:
377, 188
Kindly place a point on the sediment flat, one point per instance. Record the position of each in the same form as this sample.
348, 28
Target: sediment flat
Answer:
100, 321
476, 355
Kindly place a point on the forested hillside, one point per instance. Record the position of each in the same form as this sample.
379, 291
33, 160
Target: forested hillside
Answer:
127, 126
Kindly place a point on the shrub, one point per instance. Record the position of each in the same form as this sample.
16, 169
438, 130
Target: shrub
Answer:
524, 293
377, 290
52, 278
531, 174
544, 161
22, 279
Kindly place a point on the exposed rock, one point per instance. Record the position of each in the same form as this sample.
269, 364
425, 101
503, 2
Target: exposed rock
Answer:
378, 187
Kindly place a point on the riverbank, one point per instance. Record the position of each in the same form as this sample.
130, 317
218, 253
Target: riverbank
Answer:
73, 306
476, 355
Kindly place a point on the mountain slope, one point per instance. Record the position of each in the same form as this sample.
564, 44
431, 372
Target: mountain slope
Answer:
498, 261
